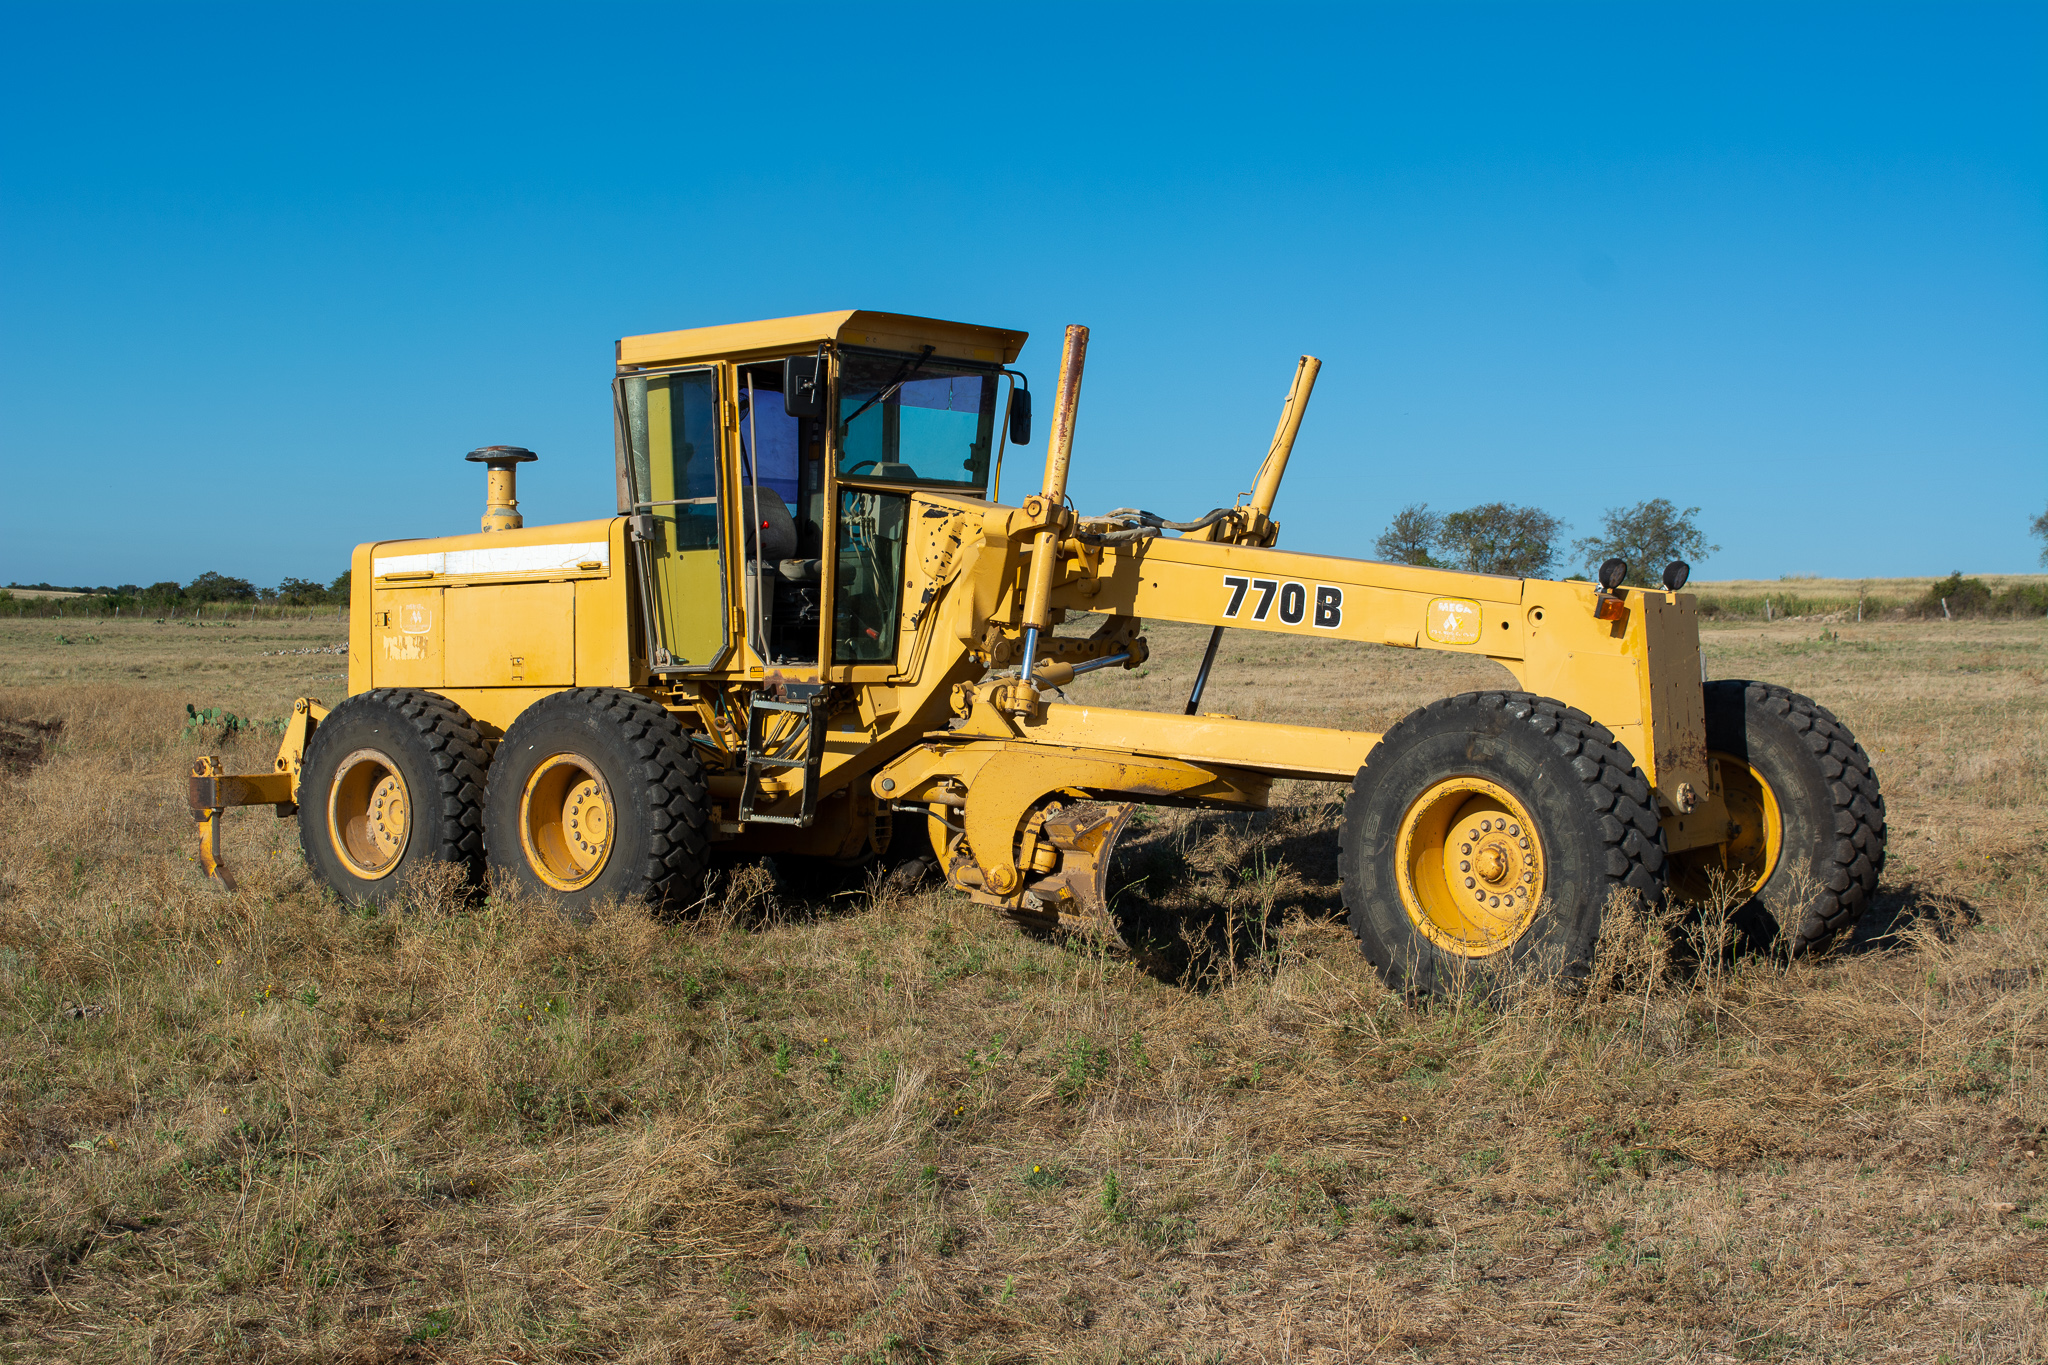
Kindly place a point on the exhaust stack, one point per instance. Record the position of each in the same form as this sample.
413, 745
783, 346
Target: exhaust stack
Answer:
501, 496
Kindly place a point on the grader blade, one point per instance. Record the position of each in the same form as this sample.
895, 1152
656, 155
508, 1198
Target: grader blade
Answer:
1076, 893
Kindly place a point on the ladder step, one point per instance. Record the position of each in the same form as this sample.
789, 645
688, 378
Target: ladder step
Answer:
760, 712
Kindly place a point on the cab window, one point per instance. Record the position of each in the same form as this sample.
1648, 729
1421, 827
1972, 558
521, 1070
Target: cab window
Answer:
916, 419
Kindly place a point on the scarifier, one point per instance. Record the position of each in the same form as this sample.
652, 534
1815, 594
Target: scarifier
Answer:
812, 621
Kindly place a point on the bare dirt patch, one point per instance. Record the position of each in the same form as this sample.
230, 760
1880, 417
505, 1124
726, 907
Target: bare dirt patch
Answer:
23, 742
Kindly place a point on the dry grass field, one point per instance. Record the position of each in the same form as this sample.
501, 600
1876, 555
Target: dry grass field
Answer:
890, 1128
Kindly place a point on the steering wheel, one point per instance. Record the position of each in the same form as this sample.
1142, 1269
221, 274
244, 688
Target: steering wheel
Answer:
858, 466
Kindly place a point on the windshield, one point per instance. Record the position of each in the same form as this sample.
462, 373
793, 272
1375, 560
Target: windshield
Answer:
912, 420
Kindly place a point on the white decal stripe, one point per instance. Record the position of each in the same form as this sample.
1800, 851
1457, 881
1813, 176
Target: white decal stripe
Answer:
409, 564
497, 559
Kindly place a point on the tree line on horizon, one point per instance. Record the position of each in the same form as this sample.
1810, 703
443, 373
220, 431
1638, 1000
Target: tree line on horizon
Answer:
206, 589
1523, 542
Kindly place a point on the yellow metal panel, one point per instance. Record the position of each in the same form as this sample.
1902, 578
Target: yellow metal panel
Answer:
495, 708
605, 631
961, 340
1281, 750
1664, 638
359, 642
1249, 588
883, 331
511, 635
1604, 686
529, 554
407, 635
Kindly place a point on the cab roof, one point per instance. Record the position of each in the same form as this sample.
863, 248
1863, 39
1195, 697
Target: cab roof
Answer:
855, 327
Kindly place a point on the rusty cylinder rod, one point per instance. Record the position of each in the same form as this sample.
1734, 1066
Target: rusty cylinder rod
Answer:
1267, 489
1059, 448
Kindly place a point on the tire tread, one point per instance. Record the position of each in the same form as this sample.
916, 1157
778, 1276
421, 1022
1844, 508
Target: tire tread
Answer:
667, 782
460, 757
1615, 790
1849, 875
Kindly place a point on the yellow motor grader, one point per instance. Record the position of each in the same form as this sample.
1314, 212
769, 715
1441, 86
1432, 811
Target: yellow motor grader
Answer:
813, 619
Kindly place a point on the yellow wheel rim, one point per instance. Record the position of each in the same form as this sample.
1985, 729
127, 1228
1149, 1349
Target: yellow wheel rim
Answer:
1756, 836
566, 822
369, 814
1471, 866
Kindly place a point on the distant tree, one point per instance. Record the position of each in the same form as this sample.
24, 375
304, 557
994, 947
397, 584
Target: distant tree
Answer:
1957, 596
1411, 536
2040, 528
1501, 538
1648, 535
337, 591
301, 592
215, 587
166, 593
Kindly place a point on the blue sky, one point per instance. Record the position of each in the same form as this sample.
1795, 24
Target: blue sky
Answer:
266, 273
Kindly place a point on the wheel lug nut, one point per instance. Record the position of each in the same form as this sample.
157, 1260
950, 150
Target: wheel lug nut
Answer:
1469, 883
1466, 849
1514, 829
1494, 904
1464, 867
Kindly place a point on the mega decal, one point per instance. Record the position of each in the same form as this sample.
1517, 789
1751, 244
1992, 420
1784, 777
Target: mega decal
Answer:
1452, 621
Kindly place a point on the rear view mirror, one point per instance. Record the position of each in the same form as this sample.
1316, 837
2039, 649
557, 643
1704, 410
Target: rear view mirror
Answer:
1020, 417
803, 393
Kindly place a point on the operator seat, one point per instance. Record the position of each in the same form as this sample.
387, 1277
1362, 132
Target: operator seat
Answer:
777, 535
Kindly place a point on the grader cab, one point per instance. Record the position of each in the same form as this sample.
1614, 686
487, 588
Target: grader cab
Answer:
813, 620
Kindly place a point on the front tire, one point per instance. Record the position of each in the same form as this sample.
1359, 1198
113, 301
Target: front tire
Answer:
1485, 835
596, 795
393, 780
1807, 815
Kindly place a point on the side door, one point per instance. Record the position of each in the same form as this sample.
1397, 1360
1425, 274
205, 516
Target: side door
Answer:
670, 431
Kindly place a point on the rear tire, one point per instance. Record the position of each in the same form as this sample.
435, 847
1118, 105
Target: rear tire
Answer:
596, 795
1810, 817
393, 780
1517, 800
